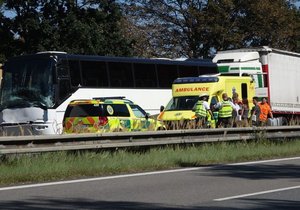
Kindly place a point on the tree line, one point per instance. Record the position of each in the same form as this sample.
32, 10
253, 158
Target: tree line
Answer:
146, 28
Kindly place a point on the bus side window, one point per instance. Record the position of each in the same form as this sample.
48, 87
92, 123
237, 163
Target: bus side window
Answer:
121, 74
145, 75
207, 70
166, 75
94, 74
64, 89
75, 73
62, 68
188, 71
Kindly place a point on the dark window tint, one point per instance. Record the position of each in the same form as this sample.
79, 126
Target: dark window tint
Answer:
265, 79
94, 74
117, 110
75, 73
166, 75
62, 68
83, 110
188, 71
120, 74
208, 70
145, 75
244, 91
64, 88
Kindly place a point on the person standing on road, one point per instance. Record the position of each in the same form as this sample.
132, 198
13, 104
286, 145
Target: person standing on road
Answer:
225, 108
236, 112
201, 109
255, 112
245, 112
265, 111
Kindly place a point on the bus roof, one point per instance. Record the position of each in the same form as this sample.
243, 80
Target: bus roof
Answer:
187, 62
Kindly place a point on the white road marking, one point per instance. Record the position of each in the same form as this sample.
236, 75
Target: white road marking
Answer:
257, 193
134, 175
97, 179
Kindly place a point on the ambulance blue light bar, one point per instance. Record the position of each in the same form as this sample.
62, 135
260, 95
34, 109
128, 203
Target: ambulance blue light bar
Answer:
204, 79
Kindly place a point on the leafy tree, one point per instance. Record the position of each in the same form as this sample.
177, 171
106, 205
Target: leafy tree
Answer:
6, 37
246, 23
223, 20
270, 22
169, 26
142, 46
85, 27
150, 28
297, 35
197, 28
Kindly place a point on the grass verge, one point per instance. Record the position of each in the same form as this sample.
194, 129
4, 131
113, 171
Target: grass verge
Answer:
66, 165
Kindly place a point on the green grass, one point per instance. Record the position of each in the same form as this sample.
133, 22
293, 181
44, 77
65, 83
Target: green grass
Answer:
63, 165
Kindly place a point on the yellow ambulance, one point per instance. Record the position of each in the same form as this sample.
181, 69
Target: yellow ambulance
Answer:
179, 114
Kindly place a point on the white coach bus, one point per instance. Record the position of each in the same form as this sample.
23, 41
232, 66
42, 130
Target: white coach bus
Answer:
36, 89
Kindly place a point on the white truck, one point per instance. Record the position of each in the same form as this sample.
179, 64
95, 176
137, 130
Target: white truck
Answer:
277, 76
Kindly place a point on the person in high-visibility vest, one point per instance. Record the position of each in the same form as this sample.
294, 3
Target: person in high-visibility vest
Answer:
201, 109
225, 108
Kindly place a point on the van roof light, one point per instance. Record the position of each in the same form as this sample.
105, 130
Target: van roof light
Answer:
184, 80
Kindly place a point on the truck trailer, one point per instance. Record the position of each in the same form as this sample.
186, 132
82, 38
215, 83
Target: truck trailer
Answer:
276, 74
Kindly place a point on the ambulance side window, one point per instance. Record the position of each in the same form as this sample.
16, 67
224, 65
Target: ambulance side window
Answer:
138, 111
117, 110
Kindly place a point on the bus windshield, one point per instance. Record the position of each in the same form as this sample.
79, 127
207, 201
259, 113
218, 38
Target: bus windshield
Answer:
182, 103
28, 82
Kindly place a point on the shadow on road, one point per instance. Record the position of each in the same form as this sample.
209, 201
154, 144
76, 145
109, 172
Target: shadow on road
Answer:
50, 204
256, 172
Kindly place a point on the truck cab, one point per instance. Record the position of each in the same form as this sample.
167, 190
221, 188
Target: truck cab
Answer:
179, 114
241, 63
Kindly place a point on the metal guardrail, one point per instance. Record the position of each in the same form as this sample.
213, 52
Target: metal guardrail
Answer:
68, 142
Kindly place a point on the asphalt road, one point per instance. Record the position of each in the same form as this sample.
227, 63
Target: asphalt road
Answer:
258, 185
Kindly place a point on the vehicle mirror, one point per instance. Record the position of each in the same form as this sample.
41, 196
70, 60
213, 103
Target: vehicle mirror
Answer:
147, 116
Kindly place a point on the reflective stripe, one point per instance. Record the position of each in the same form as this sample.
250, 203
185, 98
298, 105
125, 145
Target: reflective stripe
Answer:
69, 123
200, 109
90, 120
226, 110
